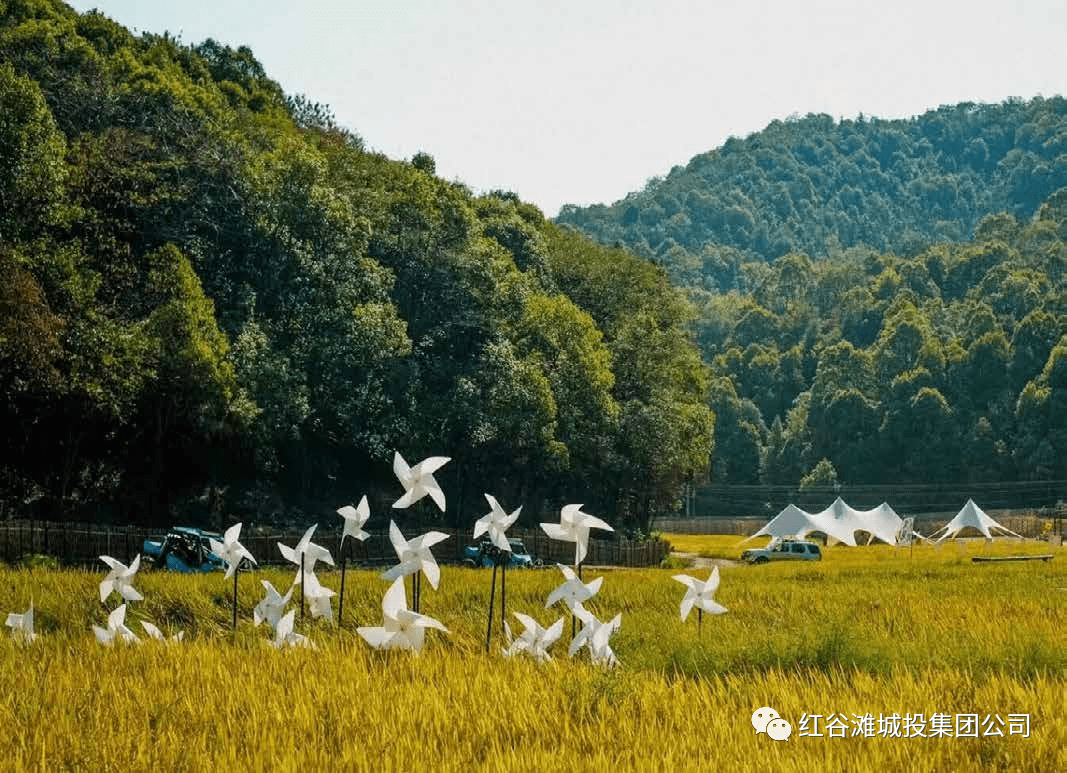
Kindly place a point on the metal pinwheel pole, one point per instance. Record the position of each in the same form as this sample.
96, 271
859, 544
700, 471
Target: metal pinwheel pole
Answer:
492, 594
416, 589
574, 618
341, 601
236, 571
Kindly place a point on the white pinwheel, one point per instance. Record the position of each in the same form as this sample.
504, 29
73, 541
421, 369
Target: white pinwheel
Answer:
285, 636
401, 628
414, 555
230, 550
700, 594
496, 522
22, 625
595, 635
318, 597
418, 481
574, 526
573, 591
271, 608
584, 636
535, 640
305, 554
116, 627
120, 579
155, 633
355, 517
599, 649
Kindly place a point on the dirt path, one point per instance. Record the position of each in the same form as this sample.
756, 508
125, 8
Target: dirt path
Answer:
700, 562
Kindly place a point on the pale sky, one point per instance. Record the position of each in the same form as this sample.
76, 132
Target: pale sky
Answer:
582, 101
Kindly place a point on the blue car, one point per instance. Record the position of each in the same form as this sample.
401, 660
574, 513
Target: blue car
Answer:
185, 549
483, 555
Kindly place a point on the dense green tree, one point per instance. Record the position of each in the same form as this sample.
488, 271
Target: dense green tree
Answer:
822, 475
32, 172
209, 286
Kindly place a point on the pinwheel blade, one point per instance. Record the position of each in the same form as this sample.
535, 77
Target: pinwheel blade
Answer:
376, 637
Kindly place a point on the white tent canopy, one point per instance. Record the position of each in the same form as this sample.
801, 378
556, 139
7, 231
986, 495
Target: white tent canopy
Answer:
841, 522
794, 522
838, 522
791, 522
971, 515
883, 523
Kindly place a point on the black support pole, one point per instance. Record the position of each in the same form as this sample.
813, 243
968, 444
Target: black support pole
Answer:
341, 601
492, 593
503, 593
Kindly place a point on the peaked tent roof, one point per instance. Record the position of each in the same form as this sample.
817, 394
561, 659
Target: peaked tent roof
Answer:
897, 537
791, 522
839, 521
794, 522
973, 516
882, 523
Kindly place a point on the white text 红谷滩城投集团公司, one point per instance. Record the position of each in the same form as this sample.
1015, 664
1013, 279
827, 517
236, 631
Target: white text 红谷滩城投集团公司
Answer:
937, 725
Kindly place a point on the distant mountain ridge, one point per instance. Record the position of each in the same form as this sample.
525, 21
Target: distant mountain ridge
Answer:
813, 185
880, 302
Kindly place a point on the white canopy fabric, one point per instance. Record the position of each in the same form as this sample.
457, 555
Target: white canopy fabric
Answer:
882, 523
791, 522
971, 515
794, 522
838, 522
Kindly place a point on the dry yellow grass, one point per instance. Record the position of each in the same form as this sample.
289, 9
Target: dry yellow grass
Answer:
864, 633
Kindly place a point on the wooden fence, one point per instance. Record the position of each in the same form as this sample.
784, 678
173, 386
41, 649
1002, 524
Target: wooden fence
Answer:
79, 544
74, 544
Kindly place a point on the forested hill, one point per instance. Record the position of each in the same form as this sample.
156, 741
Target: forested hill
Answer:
882, 302
948, 367
813, 185
215, 303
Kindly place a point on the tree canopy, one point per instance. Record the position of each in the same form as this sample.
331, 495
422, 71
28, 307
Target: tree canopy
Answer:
817, 186
214, 297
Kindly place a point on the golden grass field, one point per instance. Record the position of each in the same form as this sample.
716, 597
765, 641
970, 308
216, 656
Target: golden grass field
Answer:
867, 630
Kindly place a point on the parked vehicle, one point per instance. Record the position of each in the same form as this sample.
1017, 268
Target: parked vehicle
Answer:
184, 549
485, 554
784, 550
